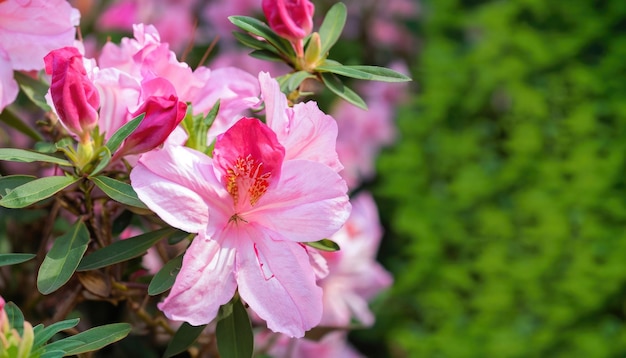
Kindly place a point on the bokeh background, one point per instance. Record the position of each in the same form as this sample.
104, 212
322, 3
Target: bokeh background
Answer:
504, 197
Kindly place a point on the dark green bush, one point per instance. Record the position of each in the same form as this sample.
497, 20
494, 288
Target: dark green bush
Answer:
506, 195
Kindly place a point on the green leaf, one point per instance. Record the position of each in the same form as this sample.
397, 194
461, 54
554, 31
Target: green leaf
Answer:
35, 191
27, 156
118, 191
63, 258
332, 26
11, 182
234, 333
179, 236
45, 334
122, 250
16, 317
52, 354
121, 134
12, 259
34, 89
324, 245
8, 116
91, 339
335, 85
290, 82
184, 337
104, 160
370, 73
164, 279
259, 28
253, 42
266, 55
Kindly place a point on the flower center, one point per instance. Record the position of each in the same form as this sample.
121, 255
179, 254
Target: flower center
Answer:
246, 181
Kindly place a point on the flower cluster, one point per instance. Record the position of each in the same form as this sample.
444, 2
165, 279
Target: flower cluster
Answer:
241, 172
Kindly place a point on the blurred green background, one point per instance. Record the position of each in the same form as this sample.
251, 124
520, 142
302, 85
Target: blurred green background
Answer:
505, 197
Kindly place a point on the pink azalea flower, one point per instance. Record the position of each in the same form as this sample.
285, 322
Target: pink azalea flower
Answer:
354, 274
31, 29
332, 345
145, 57
8, 86
251, 210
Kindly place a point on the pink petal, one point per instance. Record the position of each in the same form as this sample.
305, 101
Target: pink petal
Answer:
276, 279
31, 30
205, 282
177, 183
304, 130
309, 203
8, 86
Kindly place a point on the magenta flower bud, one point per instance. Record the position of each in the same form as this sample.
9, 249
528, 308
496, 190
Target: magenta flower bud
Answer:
163, 114
291, 19
74, 96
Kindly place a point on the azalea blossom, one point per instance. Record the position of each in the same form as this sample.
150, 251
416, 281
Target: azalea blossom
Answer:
354, 274
252, 209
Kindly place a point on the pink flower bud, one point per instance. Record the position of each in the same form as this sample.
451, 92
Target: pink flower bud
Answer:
291, 19
163, 114
74, 96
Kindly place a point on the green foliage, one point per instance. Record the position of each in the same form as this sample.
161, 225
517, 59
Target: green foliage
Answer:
506, 192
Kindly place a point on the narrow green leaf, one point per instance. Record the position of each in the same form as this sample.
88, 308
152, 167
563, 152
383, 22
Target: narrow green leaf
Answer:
12, 259
91, 339
9, 118
52, 354
259, 28
63, 258
45, 334
179, 236
337, 87
266, 55
11, 182
183, 339
118, 191
253, 42
27, 156
35, 191
324, 245
16, 317
122, 250
234, 333
290, 82
164, 279
121, 134
370, 73
34, 89
104, 160
332, 26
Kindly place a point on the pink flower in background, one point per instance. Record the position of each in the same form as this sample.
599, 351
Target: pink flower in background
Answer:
251, 209
75, 97
354, 274
173, 19
216, 14
332, 345
145, 57
237, 91
8, 86
163, 112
